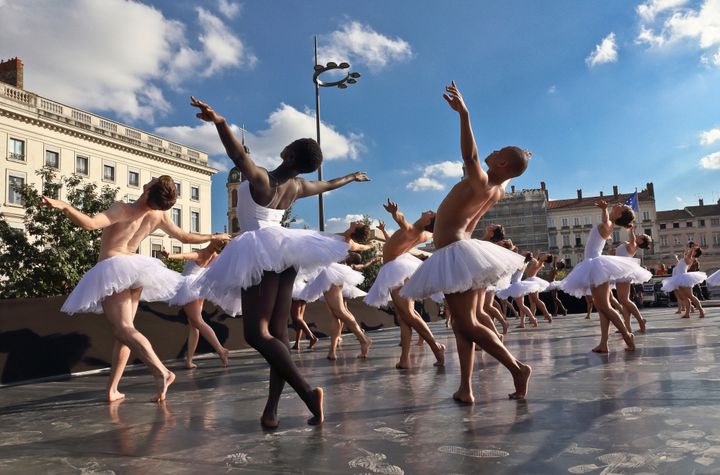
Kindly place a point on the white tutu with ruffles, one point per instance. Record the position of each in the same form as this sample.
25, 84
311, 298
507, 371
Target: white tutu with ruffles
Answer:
555, 285
298, 287
503, 283
119, 273
270, 249
524, 287
687, 279
596, 271
460, 266
334, 274
714, 279
391, 276
352, 292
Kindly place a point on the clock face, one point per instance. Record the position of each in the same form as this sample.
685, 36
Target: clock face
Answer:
234, 176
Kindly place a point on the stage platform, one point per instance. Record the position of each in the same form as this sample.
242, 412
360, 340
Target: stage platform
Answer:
653, 411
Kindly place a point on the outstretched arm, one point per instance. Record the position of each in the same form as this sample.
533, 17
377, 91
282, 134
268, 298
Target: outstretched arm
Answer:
185, 237
468, 146
367, 264
314, 187
605, 226
381, 227
392, 208
234, 149
632, 240
89, 223
185, 256
360, 247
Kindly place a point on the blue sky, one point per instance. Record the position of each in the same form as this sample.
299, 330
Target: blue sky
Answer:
603, 93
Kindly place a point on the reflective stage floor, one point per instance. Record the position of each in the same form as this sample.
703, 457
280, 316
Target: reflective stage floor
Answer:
654, 411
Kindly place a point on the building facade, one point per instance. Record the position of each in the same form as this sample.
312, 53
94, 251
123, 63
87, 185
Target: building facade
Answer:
36, 132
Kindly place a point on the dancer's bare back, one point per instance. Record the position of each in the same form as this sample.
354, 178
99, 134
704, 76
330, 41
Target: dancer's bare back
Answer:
405, 238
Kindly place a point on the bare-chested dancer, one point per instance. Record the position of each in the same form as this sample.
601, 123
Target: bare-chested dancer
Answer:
461, 265
622, 287
494, 233
398, 266
534, 266
124, 227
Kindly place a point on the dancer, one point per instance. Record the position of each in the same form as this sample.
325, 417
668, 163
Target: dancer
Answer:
589, 304
538, 285
683, 282
338, 282
398, 266
518, 289
461, 265
495, 233
297, 313
555, 285
596, 273
622, 286
261, 264
188, 296
122, 278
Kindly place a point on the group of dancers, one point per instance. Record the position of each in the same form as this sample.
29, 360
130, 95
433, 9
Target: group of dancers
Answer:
270, 272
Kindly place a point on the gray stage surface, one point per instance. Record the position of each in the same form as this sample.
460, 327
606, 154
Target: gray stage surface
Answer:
654, 411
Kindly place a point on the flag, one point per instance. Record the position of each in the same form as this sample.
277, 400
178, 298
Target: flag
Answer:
632, 202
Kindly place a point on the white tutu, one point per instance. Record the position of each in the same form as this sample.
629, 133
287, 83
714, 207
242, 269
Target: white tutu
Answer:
596, 271
714, 279
555, 285
524, 287
352, 292
687, 279
460, 266
274, 249
119, 273
334, 274
298, 287
391, 276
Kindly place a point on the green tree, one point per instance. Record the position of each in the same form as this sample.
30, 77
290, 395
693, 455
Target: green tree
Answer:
287, 218
369, 272
51, 256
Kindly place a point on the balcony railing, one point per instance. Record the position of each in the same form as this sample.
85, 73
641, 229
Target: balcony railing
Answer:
16, 156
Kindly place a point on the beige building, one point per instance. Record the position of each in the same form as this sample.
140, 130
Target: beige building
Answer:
700, 224
36, 131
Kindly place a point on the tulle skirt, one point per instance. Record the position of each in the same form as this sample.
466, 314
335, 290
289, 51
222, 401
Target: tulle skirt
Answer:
596, 271
391, 276
461, 266
503, 283
688, 279
334, 274
524, 287
555, 285
272, 249
119, 273
714, 279
188, 290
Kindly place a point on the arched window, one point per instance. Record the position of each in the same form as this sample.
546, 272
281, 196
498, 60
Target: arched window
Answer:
234, 198
235, 228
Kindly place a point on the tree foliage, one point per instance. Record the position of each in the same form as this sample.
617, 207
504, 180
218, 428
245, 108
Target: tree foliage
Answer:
51, 256
369, 272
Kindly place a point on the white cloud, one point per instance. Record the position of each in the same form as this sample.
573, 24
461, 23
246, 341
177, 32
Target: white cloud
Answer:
680, 200
648, 11
709, 137
711, 161
221, 47
285, 124
552, 89
358, 43
432, 173
113, 55
605, 52
229, 9
338, 225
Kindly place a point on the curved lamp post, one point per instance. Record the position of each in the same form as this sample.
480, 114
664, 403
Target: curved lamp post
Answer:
342, 83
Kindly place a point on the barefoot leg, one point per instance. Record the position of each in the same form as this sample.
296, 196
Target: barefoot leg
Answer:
601, 296
196, 320
541, 306
334, 300
490, 309
406, 312
120, 356
405, 342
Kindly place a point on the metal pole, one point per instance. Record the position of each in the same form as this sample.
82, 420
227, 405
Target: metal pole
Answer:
321, 205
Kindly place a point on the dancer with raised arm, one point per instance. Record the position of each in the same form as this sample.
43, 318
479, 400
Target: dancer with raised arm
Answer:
683, 281
596, 273
122, 278
398, 266
188, 296
461, 265
517, 290
262, 262
338, 282
555, 286
622, 286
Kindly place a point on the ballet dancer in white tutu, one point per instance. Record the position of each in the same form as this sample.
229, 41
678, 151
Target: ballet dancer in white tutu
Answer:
461, 265
555, 286
338, 282
398, 266
261, 263
683, 281
122, 278
622, 286
597, 273
188, 296
535, 284
518, 290
297, 313
495, 233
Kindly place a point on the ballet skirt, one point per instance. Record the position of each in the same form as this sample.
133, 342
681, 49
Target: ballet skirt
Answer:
392, 275
264, 246
334, 274
119, 273
555, 285
461, 266
683, 278
188, 291
714, 279
596, 269
521, 288
298, 287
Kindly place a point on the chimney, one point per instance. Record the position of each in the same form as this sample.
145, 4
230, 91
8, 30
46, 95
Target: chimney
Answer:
615, 190
11, 72
579, 192
651, 189
702, 203
601, 194
543, 187
512, 188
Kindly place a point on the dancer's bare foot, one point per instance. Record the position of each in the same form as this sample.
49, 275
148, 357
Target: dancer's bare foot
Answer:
687, 315
702, 313
522, 325
163, 383
465, 396
601, 349
190, 365
313, 342
505, 326
114, 395
533, 322
440, 356
269, 420
587, 318
296, 346
630, 342
548, 319
364, 347
225, 357
643, 325
401, 365
521, 381
316, 407
331, 356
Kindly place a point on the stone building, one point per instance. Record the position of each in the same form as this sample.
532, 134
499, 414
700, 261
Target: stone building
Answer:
36, 131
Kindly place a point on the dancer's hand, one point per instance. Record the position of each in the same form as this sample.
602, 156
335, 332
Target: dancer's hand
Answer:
360, 176
53, 203
381, 226
454, 98
602, 204
221, 237
206, 112
164, 253
391, 207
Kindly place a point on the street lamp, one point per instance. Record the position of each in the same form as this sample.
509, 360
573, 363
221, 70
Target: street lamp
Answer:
342, 83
